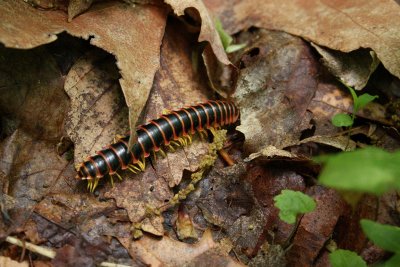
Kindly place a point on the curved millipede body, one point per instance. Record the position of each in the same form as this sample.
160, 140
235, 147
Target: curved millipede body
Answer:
157, 133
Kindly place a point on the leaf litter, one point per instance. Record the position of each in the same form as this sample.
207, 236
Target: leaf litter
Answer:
229, 219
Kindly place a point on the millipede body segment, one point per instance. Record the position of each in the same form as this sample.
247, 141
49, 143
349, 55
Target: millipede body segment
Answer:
155, 134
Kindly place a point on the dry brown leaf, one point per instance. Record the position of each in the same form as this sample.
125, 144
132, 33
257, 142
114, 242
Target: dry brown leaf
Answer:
32, 92
76, 7
343, 143
173, 88
7, 262
270, 152
176, 85
353, 68
118, 28
339, 25
98, 111
221, 72
275, 87
169, 252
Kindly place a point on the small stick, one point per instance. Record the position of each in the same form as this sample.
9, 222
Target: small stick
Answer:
49, 253
226, 157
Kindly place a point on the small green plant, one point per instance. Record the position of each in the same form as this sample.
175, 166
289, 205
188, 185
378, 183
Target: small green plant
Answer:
368, 170
346, 120
291, 203
384, 236
346, 258
226, 39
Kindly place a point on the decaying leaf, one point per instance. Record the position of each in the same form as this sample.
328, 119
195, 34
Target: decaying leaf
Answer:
29, 161
275, 88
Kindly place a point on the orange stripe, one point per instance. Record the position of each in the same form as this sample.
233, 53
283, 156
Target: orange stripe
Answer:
134, 160
166, 142
172, 126
123, 166
182, 122
192, 131
200, 126
98, 174
215, 113
208, 117
100, 153
156, 148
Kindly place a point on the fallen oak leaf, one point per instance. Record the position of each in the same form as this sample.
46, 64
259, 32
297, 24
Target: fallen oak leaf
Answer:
169, 252
108, 26
340, 25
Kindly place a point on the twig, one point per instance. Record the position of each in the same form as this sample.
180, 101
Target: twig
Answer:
49, 253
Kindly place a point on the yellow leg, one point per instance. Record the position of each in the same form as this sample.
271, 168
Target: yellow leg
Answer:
112, 180
119, 176
162, 153
154, 154
95, 184
189, 137
133, 169
117, 138
142, 164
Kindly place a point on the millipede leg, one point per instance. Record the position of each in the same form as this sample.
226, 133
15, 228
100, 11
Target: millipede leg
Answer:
89, 184
189, 139
95, 184
119, 176
142, 164
175, 143
171, 148
133, 168
203, 135
154, 154
112, 180
162, 153
117, 138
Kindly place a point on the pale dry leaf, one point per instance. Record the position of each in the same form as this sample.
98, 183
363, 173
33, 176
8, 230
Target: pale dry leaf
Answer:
343, 143
353, 68
97, 105
169, 252
8, 262
338, 25
269, 152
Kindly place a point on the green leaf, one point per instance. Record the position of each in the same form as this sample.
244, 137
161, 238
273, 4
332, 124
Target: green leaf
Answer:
291, 203
384, 236
342, 120
369, 170
363, 100
226, 39
346, 258
234, 48
394, 261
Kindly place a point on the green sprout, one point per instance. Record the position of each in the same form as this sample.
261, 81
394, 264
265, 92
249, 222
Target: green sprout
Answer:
226, 39
346, 120
291, 203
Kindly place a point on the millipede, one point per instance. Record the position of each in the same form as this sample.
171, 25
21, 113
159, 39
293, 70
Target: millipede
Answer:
151, 137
